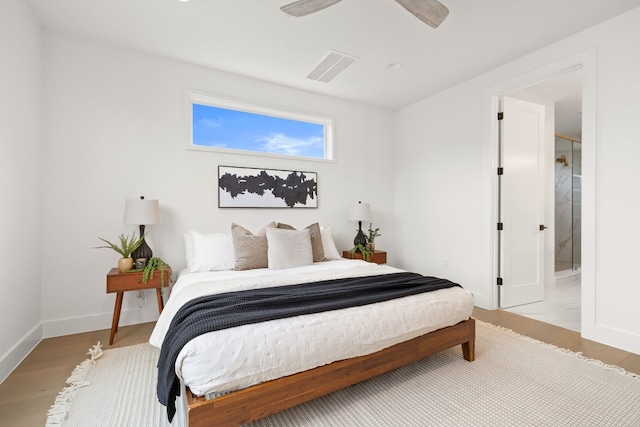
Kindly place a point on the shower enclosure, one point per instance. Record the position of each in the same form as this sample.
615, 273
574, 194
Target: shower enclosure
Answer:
568, 195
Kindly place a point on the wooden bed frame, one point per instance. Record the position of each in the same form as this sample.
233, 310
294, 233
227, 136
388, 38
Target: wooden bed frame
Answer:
267, 398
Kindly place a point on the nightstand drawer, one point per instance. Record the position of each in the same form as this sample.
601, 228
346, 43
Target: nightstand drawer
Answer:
379, 257
121, 282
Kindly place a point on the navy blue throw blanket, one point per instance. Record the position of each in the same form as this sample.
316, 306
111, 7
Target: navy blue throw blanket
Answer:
227, 310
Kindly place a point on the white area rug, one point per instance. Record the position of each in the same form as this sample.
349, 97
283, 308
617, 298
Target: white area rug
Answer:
515, 381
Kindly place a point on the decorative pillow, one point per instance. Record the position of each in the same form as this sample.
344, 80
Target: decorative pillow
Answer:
250, 250
209, 252
316, 240
330, 250
288, 248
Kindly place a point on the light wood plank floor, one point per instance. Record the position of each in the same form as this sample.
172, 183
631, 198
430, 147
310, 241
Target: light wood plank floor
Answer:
27, 394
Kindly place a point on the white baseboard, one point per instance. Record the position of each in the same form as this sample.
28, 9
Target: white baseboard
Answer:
566, 273
56, 328
12, 358
614, 337
96, 322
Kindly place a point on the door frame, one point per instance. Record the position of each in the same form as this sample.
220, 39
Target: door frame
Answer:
587, 61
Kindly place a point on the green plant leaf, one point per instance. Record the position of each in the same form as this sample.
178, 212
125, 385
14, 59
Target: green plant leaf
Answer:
154, 264
372, 234
127, 244
366, 253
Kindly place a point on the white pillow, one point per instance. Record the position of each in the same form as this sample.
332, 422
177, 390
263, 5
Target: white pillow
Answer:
329, 246
316, 240
211, 252
188, 249
288, 248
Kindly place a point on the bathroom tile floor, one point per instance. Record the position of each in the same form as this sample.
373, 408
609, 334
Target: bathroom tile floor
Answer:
561, 305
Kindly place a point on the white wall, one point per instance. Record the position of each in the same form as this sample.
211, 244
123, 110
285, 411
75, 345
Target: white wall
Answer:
115, 128
20, 88
444, 215
439, 187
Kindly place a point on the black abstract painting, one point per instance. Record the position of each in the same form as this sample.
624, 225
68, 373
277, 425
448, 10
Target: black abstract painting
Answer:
266, 188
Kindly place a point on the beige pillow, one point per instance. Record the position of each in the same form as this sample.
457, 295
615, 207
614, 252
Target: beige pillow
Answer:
250, 250
288, 248
316, 240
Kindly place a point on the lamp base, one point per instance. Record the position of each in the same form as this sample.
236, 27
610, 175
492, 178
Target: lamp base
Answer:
360, 239
142, 251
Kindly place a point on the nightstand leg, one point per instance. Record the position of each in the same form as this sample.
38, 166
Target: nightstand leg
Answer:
160, 302
116, 316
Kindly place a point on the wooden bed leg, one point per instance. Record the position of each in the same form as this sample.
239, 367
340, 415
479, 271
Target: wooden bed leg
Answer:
469, 350
469, 347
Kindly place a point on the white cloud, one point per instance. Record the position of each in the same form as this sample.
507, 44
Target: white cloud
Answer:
279, 143
211, 123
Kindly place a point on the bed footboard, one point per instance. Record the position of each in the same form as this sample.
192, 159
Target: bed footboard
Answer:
264, 399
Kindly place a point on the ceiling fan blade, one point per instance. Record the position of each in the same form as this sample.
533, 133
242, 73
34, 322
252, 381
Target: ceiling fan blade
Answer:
431, 12
306, 7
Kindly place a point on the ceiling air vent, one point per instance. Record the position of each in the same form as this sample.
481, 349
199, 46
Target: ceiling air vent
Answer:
333, 64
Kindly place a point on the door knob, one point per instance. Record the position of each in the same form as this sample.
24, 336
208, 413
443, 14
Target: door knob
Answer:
542, 227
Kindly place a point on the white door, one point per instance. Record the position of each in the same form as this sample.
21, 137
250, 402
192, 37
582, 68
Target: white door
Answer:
522, 203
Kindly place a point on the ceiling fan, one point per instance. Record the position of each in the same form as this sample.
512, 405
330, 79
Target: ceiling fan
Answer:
431, 12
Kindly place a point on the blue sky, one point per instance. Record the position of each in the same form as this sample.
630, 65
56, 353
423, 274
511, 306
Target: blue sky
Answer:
223, 128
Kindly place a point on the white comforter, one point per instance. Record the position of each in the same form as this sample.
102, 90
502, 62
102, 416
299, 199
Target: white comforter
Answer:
235, 358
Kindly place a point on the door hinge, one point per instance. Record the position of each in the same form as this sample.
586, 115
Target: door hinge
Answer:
500, 115
500, 226
499, 281
500, 171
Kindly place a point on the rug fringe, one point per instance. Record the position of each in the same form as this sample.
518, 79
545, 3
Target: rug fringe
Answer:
578, 355
58, 411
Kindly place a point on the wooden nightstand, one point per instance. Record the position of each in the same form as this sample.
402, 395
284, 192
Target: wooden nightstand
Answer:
379, 257
122, 282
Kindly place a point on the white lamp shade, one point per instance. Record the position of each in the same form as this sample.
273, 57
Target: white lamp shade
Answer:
360, 212
141, 212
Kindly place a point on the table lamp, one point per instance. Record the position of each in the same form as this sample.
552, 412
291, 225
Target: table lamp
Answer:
360, 212
141, 212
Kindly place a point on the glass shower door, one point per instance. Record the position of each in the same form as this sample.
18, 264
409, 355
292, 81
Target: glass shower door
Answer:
568, 197
576, 204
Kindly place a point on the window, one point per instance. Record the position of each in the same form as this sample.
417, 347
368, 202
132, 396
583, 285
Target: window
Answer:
233, 126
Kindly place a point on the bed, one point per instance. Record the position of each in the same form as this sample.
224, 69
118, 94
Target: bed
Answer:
236, 375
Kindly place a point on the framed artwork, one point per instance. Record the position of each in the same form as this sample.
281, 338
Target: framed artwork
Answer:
266, 188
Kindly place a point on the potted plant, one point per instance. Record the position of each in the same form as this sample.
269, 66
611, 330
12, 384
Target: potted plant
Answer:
366, 253
126, 246
371, 236
154, 264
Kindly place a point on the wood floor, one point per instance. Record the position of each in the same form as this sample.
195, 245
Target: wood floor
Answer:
27, 394
560, 337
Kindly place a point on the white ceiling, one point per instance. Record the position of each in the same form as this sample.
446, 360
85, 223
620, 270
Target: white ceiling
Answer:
254, 38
